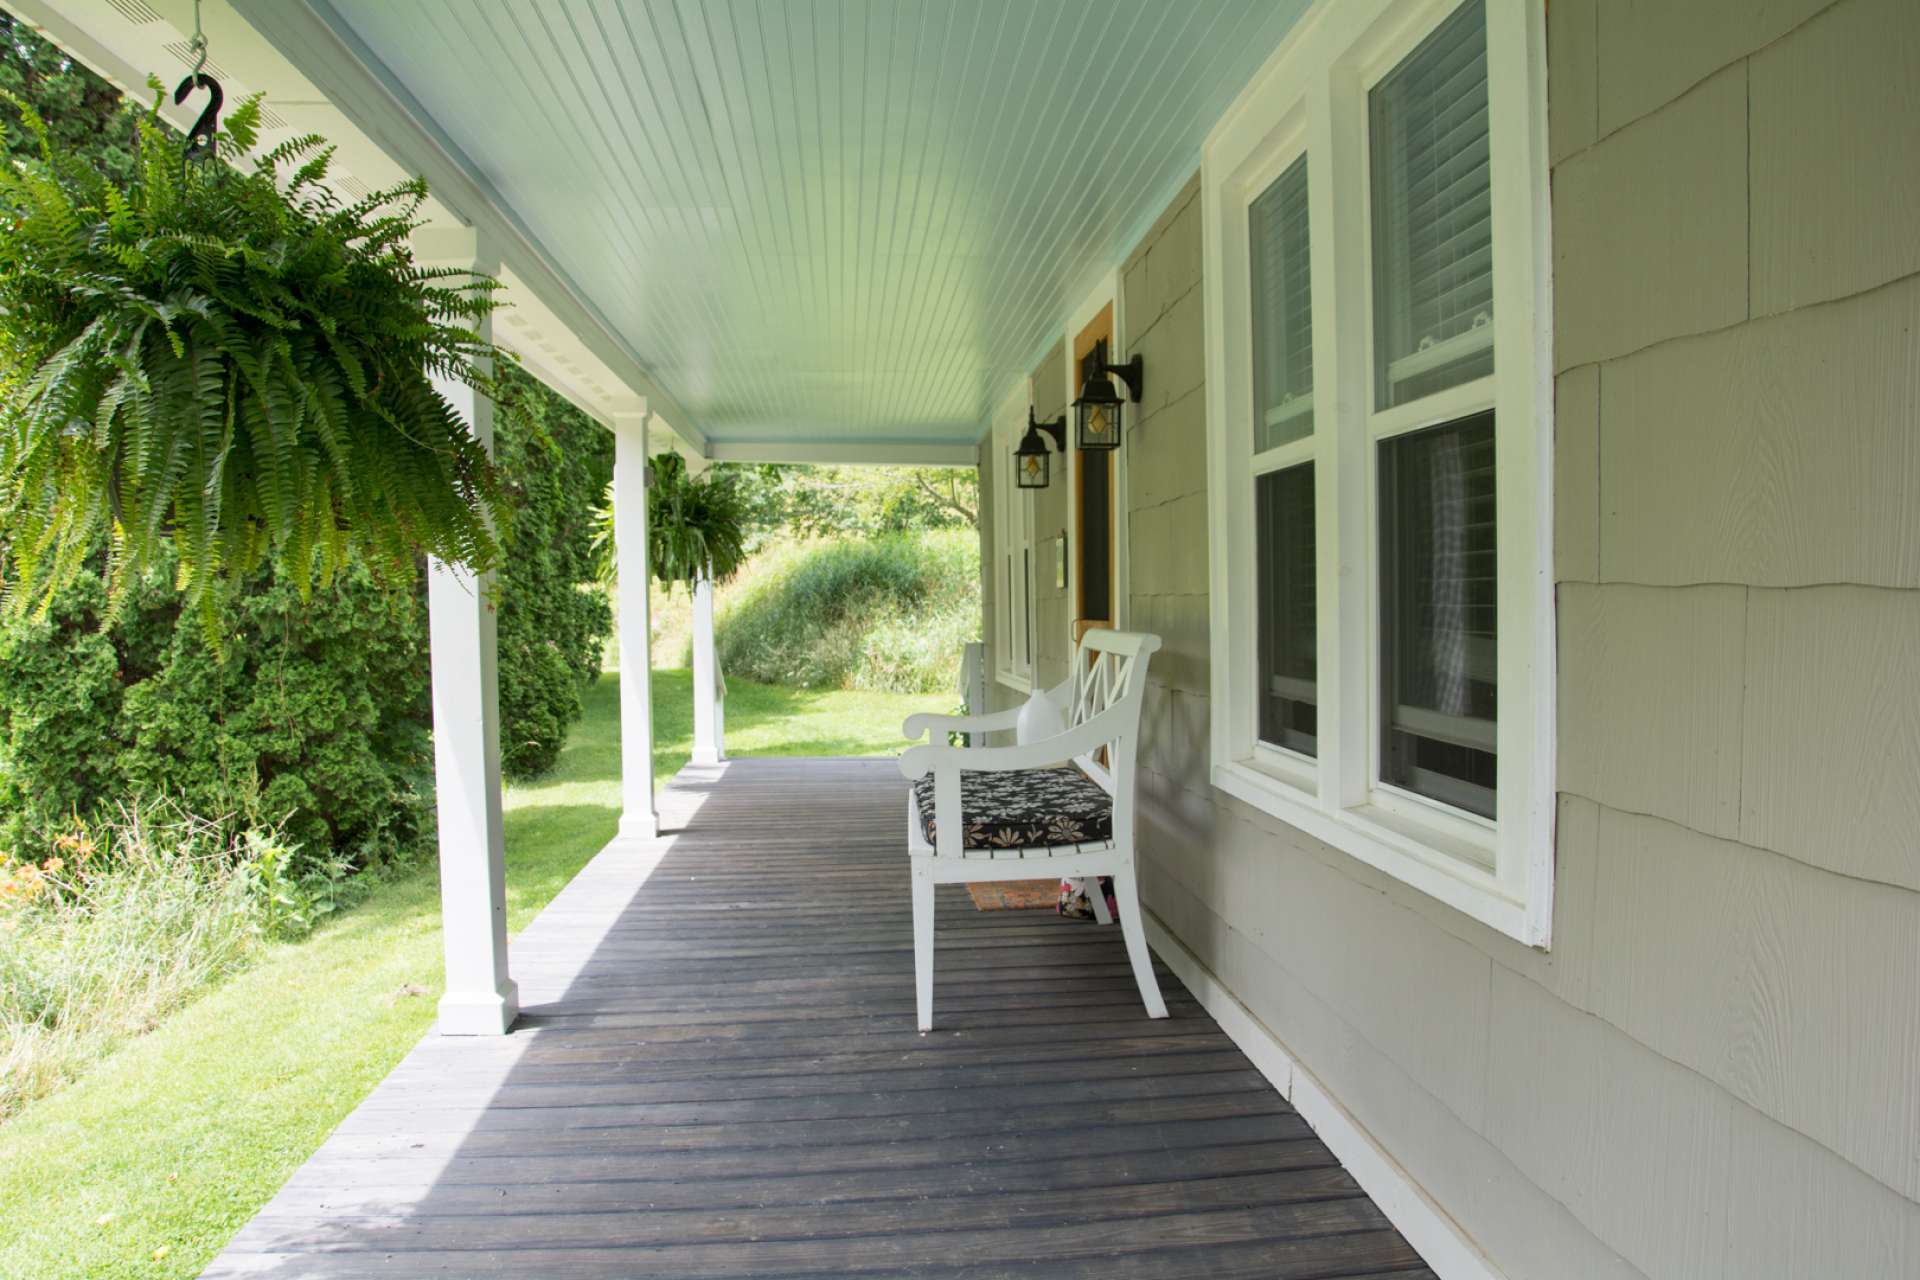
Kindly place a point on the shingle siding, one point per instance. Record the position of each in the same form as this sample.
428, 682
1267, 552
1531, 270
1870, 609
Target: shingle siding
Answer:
1716, 1070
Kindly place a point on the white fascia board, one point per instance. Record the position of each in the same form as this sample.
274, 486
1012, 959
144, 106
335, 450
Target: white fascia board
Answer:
849, 453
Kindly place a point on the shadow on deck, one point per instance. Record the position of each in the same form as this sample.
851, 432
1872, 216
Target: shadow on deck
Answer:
717, 1075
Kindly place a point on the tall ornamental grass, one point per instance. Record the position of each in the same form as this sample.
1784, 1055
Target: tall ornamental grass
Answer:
888, 614
117, 926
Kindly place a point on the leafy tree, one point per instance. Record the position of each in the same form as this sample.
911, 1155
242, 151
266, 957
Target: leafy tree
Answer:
86, 117
818, 501
551, 459
315, 712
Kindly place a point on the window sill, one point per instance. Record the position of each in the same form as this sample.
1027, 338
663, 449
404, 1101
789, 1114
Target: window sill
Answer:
1017, 683
1439, 864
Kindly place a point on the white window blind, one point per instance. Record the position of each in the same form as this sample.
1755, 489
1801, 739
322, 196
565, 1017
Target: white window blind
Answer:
1432, 233
1282, 285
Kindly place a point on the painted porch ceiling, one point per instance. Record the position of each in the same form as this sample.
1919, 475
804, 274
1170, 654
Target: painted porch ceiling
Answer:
834, 221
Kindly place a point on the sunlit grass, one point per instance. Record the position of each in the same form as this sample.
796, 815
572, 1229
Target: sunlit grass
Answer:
148, 1163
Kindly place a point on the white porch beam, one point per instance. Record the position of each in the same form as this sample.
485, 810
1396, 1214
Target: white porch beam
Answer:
480, 999
708, 744
876, 453
639, 820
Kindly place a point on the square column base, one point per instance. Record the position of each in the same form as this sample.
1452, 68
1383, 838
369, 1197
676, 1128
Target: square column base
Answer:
478, 1013
639, 826
706, 755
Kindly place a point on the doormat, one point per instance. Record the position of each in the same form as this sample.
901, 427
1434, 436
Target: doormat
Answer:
1015, 895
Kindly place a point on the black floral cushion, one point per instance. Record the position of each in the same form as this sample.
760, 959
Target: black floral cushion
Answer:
1023, 808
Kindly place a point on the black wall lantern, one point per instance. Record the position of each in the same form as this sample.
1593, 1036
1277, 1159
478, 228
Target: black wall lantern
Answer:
1100, 407
1030, 459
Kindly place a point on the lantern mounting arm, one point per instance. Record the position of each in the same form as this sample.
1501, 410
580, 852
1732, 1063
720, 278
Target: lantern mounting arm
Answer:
1133, 373
1057, 429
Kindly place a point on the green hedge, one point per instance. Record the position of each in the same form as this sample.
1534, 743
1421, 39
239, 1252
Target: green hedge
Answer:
554, 617
318, 715
889, 614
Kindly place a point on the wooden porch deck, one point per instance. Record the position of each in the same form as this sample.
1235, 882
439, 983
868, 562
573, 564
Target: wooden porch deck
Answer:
717, 1075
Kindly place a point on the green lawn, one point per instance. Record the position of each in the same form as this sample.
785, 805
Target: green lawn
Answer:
147, 1164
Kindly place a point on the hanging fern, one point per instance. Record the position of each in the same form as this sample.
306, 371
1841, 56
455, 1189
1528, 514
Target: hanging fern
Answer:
233, 362
695, 528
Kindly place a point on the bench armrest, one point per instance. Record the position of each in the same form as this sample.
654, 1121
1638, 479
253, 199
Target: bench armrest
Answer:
918, 723
1083, 738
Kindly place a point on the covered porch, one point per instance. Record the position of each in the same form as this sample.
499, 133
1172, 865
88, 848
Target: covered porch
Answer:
787, 233
715, 1072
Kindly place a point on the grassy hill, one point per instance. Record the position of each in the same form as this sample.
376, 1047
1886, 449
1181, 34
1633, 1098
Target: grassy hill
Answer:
888, 614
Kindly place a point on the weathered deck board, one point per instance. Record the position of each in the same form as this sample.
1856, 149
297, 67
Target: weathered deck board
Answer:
717, 1075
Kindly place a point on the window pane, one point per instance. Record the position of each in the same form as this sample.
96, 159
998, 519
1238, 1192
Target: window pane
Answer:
1432, 237
1283, 510
1437, 611
1282, 311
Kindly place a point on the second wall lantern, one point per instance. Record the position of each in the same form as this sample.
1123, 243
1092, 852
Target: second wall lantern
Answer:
1100, 408
1030, 460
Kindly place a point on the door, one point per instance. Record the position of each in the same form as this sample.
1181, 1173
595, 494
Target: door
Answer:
1096, 498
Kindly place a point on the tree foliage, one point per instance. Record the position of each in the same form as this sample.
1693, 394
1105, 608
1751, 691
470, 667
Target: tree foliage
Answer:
553, 621
315, 713
86, 117
315, 716
828, 502
228, 368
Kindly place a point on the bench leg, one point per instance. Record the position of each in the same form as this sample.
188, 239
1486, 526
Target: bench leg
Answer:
923, 941
1098, 897
1126, 895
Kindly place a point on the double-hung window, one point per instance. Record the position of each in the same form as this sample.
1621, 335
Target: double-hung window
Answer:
1376, 209
1280, 280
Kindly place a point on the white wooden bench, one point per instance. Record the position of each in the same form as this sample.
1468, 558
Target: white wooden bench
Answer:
1057, 808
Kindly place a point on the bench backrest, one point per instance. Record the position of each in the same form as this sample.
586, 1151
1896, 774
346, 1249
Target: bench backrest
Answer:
1109, 673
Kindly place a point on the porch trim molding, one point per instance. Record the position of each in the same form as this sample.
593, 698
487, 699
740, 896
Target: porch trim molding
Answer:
1430, 1229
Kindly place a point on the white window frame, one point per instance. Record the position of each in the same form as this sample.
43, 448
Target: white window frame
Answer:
1312, 97
1012, 545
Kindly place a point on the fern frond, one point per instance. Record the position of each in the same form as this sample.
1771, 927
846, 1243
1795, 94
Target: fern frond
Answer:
215, 367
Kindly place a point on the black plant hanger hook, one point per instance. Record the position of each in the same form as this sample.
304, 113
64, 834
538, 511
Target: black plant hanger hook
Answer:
200, 138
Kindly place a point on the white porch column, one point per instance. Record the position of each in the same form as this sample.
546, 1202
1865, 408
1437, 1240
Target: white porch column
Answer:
707, 748
638, 818
480, 998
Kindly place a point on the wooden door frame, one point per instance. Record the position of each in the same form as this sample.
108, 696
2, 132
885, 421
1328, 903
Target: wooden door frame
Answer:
1103, 302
